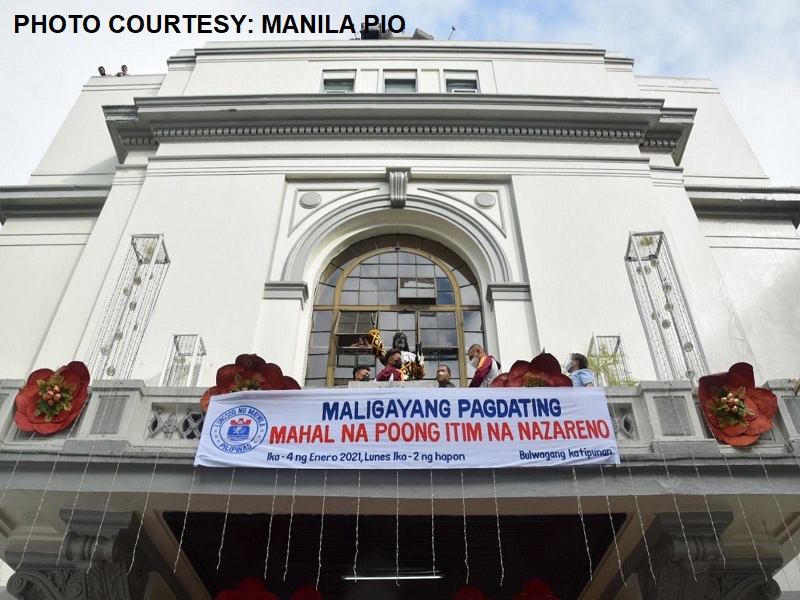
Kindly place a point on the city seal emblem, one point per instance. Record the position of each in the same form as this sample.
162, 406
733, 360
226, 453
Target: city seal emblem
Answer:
239, 429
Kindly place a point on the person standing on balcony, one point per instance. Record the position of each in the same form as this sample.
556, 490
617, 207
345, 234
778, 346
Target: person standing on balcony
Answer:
392, 372
579, 371
443, 377
486, 367
361, 374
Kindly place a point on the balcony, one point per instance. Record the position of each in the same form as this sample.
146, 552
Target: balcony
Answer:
654, 421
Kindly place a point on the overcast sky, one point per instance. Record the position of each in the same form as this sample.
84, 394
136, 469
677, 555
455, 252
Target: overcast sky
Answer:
749, 48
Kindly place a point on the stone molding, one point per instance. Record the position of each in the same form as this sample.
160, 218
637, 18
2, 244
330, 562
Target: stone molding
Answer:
686, 558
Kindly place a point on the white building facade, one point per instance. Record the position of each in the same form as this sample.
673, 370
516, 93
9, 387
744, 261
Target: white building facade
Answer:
284, 198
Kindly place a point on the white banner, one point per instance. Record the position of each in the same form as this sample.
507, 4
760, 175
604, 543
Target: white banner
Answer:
408, 428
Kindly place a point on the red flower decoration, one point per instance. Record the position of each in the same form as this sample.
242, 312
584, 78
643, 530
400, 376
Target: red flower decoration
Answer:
736, 410
250, 588
52, 400
249, 372
469, 593
542, 371
306, 592
536, 589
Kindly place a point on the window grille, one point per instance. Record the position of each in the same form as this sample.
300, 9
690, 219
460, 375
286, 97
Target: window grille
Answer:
129, 307
183, 361
662, 307
608, 361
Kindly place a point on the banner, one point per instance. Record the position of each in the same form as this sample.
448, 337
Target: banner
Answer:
408, 428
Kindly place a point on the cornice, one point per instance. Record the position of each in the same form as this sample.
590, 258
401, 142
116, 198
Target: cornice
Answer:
628, 120
392, 46
52, 200
741, 202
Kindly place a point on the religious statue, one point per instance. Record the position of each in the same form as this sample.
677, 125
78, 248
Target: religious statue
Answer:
413, 362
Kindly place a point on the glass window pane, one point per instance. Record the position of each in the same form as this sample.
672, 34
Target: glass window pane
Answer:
427, 320
349, 297
429, 337
443, 284
444, 298
406, 322
388, 258
325, 294
448, 337
317, 365
332, 274
460, 275
351, 283
425, 271
369, 284
469, 295
406, 270
388, 271
368, 298
320, 339
446, 320
471, 337
406, 258
472, 320
369, 270
388, 320
372, 260
321, 320
345, 359
386, 285
387, 297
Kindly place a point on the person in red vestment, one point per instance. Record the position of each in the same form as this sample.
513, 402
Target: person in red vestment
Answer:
392, 372
486, 367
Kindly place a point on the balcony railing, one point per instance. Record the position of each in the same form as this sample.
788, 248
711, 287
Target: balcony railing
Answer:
658, 420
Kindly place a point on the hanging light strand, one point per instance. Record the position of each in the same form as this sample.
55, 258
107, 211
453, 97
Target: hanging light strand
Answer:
583, 523
185, 518
225, 521
271, 517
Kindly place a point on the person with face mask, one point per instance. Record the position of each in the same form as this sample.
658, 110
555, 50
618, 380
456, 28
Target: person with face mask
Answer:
392, 372
361, 374
486, 367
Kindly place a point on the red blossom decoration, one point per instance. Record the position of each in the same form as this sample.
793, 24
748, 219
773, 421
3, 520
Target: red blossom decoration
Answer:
306, 592
536, 589
33, 413
249, 372
250, 588
543, 371
469, 593
721, 393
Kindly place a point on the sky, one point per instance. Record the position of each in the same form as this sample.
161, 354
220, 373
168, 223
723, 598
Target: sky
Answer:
749, 48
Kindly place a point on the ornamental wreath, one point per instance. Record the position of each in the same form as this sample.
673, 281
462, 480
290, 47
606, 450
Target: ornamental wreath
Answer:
543, 371
52, 400
737, 412
248, 372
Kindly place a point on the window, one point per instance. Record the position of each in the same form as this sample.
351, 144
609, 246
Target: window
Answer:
461, 82
399, 82
338, 82
393, 283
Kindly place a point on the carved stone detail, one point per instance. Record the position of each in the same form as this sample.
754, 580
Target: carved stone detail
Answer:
92, 564
687, 563
398, 187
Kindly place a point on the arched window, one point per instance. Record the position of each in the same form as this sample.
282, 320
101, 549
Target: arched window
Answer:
393, 283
